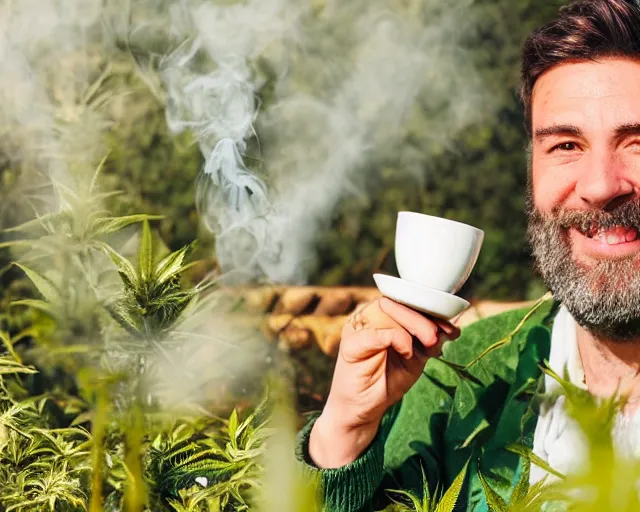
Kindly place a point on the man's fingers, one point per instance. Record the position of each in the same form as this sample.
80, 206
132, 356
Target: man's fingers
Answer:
420, 351
401, 341
369, 316
426, 330
369, 342
450, 330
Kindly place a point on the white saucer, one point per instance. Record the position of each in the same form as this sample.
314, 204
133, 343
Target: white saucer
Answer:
427, 300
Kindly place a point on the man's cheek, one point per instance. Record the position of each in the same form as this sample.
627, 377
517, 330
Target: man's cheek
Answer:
541, 189
543, 199
553, 188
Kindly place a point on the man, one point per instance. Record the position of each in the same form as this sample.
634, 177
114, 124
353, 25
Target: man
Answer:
580, 83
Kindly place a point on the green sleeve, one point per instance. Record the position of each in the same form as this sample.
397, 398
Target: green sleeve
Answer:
349, 488
405, 445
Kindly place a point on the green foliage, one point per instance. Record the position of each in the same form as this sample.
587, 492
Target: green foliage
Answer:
180, 462
107, 318
152, 298
437, 503
40, 467
133, 459
608, 481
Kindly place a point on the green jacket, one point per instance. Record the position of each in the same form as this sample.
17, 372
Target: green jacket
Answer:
449, 418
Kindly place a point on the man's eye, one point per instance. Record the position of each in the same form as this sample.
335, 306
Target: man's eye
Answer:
565, 146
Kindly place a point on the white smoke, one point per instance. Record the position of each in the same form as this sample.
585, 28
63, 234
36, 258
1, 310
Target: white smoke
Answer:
348, 80
50, 57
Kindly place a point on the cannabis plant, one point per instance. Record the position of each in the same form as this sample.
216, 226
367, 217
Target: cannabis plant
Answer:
41, 467
62, 253
406, 501
152, 297
220, 467
121, 316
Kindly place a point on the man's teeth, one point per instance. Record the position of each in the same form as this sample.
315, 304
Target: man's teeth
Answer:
616, 235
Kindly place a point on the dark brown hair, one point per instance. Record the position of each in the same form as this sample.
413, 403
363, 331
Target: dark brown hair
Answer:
583, 30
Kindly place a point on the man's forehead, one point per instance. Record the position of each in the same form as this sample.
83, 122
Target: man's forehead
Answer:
598, 94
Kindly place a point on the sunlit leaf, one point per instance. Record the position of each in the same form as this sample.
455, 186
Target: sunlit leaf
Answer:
110, 225
38, 304
526, 452
124, 266
417, 506
494, 501
145, 253
448, 501
43, 284
171, 265
522, 486
5, 339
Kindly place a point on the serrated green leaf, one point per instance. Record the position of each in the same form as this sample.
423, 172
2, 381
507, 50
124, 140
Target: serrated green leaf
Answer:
494, 501
124, 266
426, 494
145, 253
43, 284
522, 486
6, 340
106, 226
171, 265
124, 318
38, 222
526, 452
94, 178
579, 399
417, 507
448, 501
232, 425
14, 243
10, 367
537, 488
38, 304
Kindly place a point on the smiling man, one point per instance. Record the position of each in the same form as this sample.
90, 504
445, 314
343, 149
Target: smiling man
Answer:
389, 419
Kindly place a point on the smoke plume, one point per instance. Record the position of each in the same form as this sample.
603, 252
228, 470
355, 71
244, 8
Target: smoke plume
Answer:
345, 85
295, 104
349, 82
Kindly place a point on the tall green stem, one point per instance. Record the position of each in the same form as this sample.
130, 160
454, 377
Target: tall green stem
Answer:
98, 430
136, 493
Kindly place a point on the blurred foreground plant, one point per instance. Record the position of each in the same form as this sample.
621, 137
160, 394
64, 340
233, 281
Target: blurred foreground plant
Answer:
86, 430
609, 479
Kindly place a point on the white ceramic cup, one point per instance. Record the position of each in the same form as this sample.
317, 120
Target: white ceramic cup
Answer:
436, 252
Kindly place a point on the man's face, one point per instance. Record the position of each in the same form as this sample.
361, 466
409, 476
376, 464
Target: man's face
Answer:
585, 192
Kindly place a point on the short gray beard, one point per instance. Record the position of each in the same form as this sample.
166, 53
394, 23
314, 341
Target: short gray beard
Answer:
604, 298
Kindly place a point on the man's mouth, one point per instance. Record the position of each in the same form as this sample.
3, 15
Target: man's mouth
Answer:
611, 236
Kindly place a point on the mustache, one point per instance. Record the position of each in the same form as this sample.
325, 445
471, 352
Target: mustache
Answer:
625, 214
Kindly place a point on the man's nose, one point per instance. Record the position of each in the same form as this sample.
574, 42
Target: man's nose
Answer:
603, 182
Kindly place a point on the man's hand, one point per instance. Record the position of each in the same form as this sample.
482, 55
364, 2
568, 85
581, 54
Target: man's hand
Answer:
383, 351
